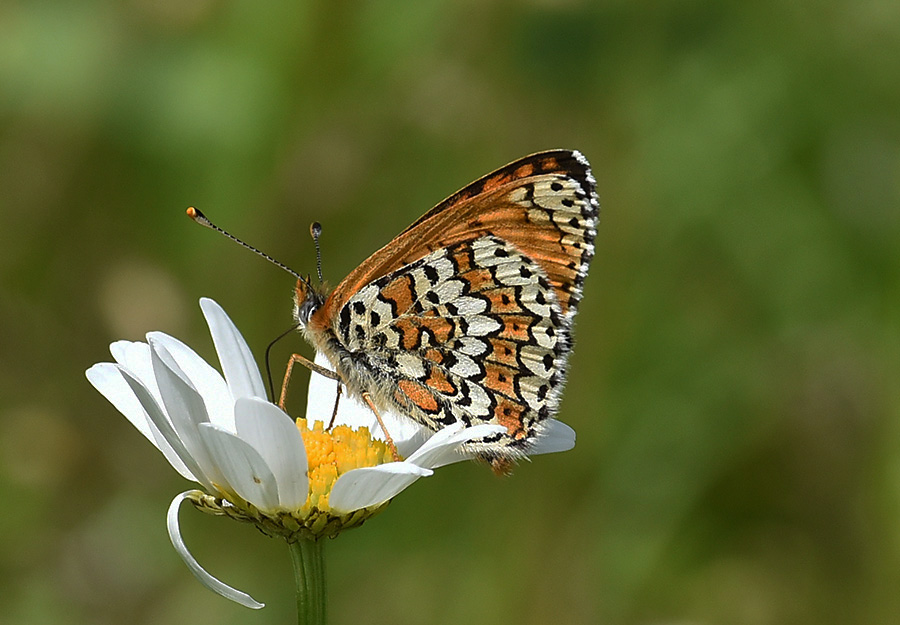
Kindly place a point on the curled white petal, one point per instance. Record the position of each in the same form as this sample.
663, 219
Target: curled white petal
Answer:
241, 372
369, 486
556, 436
199, 572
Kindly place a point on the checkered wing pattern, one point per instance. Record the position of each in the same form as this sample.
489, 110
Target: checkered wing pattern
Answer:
467, 315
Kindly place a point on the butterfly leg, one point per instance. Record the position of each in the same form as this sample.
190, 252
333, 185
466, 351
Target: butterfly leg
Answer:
390, 442
309, 364
337, 399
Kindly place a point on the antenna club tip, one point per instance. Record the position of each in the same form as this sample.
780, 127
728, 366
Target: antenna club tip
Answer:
315, 229
197, 216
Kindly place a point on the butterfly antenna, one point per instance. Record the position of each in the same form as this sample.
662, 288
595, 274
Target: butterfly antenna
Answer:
315, 229
201, 219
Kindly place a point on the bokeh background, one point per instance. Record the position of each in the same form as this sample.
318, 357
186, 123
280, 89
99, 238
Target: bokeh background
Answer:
734, 385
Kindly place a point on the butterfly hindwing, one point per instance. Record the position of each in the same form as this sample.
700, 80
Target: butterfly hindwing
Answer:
471, 333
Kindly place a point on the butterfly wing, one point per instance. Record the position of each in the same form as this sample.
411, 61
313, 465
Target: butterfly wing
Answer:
467, 314
470, 333
544, 204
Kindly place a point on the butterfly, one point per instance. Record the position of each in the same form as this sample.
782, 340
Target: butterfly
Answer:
466, 316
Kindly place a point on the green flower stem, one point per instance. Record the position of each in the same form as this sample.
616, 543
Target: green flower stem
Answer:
308, 559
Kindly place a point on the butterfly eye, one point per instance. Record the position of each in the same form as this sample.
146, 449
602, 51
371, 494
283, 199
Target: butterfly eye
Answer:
306, 301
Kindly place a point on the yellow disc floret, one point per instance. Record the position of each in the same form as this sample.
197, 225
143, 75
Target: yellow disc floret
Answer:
332, 453
329, 454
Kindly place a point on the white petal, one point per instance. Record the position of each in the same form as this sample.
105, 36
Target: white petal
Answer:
237, 362
105, 377
369, 486
444, 447
185, 409
135, 357
199, 572
164, 435
243, 467
407, 447
208, 382
406, 433
276, 437
321, 396
556, 436
110, 381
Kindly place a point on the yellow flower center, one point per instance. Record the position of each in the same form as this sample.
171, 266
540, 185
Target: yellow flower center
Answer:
330, 454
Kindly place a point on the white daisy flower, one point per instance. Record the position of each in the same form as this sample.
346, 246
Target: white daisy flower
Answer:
254, 462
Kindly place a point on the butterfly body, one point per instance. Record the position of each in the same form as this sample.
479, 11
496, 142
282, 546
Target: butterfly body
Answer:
466, 316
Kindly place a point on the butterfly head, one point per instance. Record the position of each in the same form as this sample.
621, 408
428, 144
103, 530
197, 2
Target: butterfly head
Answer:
307, 300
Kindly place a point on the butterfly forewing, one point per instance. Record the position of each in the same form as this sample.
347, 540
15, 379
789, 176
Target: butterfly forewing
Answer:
545, 204
466, 316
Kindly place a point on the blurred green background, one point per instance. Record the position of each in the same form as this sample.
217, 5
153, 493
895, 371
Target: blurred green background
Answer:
734, 385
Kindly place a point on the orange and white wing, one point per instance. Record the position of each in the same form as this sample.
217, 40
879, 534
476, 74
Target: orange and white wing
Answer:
466, 316
545, 204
